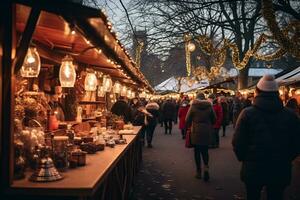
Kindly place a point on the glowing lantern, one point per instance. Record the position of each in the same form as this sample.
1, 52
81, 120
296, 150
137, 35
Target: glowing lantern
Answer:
124, 91
129, 93
101, 92
117, 87
32, 64
67, 73
90, 82
107, 83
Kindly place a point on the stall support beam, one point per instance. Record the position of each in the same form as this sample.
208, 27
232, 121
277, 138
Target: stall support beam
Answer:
26, 37
8, 41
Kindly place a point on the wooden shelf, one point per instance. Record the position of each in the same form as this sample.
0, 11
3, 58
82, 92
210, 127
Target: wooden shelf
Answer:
91, 102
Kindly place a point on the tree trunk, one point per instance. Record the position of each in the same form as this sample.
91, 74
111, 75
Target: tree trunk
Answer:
243, 78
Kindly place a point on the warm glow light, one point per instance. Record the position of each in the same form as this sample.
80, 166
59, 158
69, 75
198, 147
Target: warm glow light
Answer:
191, 47
100, 91
107, 83
117, 87
90, 82
32, 64
67, 73
124, 91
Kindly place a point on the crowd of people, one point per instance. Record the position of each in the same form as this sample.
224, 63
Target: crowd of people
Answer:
266, 137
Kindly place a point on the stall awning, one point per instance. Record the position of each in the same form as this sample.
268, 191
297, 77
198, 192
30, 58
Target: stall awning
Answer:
93, 44
289, 77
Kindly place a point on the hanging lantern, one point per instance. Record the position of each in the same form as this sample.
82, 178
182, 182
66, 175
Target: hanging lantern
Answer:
67, 73
32, 64
90, 82
124, 91
117, 88
101, 92
129, 93
107, 83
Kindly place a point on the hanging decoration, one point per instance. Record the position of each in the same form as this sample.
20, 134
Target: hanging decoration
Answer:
291, 45
67, 73
138, 52
117, 87
187, 38
100, 91
107, 83
32, 64
90, 82
129, 93
124, 91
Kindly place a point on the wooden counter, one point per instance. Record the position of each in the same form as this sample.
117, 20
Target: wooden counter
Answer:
84, 182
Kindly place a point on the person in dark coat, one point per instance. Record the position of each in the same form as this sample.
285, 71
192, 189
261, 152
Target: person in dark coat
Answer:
201, 118
121, 108
225, 109
293, 105
215, 139
151, 121
168, 112
182, 112
266, 141
236, 107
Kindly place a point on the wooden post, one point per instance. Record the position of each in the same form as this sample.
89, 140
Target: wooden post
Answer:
8, 41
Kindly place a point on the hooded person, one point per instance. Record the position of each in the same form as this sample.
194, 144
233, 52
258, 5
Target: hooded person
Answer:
266, 140
201, 118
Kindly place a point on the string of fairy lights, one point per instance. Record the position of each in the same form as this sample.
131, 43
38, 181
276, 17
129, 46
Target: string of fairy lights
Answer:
219, 54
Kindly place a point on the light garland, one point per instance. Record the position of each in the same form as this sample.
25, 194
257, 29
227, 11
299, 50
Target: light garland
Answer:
138, 52
188, 64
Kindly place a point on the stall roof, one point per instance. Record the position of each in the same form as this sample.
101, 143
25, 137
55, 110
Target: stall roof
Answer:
289, 76
172, 84
93, 45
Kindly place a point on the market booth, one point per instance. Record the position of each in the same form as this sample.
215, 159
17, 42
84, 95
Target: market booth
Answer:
62, 68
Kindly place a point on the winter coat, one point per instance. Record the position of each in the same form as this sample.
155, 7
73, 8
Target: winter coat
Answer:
266, 140
152, 108
225, 109
121, 108
219, 114
182, 112
201, 117
169, 110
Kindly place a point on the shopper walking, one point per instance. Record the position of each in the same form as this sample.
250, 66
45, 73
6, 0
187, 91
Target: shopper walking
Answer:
201, 118
266, 140
182, 112
236, 107
168, 111
225, 109
215, 139
151, 121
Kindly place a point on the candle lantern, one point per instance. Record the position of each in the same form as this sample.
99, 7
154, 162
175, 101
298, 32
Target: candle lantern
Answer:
67, 73
107, 83
117, 87
32, 64
101, 92
124, 91
90, 82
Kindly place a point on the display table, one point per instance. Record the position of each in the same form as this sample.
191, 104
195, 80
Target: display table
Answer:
109, 174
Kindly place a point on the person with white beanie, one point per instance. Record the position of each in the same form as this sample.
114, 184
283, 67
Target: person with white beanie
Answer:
266, 141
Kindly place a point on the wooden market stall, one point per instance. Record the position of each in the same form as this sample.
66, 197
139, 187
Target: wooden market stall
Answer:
80, 39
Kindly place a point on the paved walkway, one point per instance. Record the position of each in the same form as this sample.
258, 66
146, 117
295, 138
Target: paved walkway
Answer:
168, 172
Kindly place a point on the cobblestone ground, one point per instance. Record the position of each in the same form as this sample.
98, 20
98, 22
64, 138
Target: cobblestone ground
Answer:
168, 172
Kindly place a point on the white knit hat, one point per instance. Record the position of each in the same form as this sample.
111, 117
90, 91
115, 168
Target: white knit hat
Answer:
267, 83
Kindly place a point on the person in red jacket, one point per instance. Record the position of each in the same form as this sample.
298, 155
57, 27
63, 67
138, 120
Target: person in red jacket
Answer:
183, 109
215, 139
